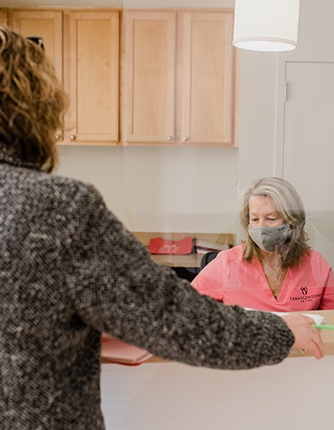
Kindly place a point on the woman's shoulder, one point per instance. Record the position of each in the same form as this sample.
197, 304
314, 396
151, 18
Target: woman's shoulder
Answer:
315, 257
67, 189
33, 180
72, 184
59, 195
234, 253
314, 262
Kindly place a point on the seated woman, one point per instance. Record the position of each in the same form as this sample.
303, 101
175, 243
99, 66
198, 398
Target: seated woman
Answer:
274, 269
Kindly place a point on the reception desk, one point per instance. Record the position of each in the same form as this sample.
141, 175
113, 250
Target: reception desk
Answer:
295, 394
327, 337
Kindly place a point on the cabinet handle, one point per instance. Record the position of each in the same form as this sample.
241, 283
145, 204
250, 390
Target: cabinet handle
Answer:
185, 139
58, 136
73, 137
170, 138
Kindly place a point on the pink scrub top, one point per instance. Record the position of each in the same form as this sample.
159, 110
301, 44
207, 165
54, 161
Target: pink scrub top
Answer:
232, 280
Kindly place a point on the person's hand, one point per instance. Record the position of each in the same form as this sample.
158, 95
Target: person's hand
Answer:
307, 337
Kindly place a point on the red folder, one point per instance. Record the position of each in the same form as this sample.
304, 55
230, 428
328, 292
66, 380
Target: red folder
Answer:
116, 351
159, 245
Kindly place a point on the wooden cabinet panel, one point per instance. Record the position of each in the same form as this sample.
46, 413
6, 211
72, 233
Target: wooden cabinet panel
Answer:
208, 78
179, 78
150, 76
3, 17
47, 24
84, 46
92, 40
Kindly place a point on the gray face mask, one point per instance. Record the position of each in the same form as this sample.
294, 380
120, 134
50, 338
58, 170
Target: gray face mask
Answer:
270, 238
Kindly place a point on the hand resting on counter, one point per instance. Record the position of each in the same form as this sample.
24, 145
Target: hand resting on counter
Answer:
307, 337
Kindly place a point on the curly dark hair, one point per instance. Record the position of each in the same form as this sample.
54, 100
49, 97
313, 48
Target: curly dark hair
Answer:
32, 101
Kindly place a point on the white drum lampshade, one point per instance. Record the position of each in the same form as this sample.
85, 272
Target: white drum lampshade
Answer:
266, 25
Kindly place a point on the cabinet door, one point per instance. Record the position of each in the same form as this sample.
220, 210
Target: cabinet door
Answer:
307, 147
3, 17
308, 150
149, 74
45, 24
92, 56
49, 26
208, 78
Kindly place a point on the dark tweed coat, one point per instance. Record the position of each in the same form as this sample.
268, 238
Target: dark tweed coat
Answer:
69, 270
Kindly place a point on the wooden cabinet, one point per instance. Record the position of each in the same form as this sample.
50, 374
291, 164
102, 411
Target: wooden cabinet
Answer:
47, 24
92, 70
3, 17
179, 78
84, 46
179, 74
149, 77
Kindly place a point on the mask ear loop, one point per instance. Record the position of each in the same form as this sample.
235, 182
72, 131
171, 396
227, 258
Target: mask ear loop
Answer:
37, 40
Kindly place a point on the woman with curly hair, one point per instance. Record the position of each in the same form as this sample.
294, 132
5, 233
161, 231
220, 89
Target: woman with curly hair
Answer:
32, 102
69, 271
274, 269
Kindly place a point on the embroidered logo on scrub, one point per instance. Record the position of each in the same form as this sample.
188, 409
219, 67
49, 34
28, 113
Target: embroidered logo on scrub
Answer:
304, 297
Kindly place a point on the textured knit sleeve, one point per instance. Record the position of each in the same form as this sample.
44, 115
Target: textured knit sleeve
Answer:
117, 288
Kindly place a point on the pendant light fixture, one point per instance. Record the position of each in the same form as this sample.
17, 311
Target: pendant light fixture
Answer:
266, 25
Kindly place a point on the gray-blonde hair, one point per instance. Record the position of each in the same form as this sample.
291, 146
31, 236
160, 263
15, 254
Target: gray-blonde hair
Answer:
32, 101
289, 207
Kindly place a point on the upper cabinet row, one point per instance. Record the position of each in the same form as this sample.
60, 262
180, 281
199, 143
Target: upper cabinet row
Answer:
178, 80
84, 47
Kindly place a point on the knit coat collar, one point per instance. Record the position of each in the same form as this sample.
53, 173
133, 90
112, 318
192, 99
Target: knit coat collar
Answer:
6, 157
